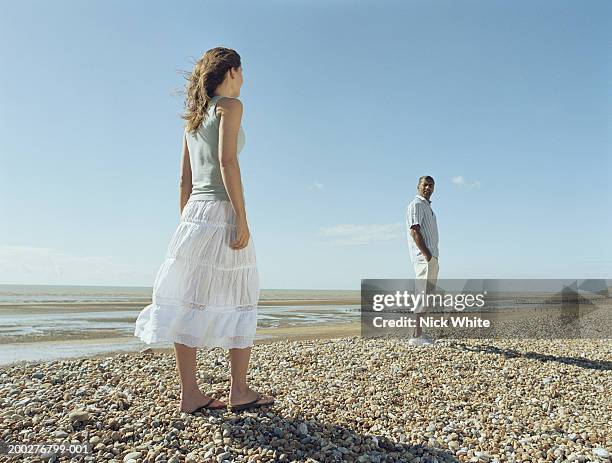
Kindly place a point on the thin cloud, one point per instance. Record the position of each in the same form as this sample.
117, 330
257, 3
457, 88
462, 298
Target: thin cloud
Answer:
316, 186
353, 235
36, 265
461, 182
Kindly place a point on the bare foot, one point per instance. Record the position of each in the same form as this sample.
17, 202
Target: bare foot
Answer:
249, 396
194, 401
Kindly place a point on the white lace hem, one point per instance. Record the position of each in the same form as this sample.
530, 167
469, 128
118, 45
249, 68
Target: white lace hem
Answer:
217, 327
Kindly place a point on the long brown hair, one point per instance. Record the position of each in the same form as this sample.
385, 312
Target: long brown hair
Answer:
208, 73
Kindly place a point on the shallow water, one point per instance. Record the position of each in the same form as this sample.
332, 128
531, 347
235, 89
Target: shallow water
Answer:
53, 322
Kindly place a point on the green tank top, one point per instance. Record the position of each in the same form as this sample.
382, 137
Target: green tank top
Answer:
203, 145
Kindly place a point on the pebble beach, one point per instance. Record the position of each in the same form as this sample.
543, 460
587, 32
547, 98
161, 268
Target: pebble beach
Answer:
347, 399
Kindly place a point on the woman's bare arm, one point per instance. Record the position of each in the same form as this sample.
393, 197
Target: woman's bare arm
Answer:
185, 182
230, 113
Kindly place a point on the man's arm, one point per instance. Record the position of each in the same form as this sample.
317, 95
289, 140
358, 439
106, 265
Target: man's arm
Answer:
415, 232
414, 217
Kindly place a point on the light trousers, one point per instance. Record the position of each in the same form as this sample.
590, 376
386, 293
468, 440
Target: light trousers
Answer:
426, 279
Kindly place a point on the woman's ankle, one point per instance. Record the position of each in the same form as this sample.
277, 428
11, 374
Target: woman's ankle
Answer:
190, 391
239, 389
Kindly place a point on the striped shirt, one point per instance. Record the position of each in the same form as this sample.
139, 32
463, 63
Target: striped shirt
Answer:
419, 212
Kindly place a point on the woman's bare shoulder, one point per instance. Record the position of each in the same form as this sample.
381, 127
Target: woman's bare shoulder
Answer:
228, 106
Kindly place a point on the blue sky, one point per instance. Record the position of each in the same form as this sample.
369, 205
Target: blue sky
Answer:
506, 104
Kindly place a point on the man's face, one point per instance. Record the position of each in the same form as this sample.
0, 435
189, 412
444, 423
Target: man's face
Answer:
426, 188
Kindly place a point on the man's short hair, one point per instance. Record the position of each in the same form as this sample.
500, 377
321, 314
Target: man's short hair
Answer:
426, 177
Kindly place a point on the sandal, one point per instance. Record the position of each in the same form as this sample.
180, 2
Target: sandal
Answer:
252, 404
206, 407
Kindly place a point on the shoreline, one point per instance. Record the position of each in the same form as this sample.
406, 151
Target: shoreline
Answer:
313, 322
133, 345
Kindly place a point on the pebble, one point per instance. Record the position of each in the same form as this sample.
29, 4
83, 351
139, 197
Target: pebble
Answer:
178, 425
95, 440
132, 456
79, 415
23, 402
347, 399
482, 456
302, 429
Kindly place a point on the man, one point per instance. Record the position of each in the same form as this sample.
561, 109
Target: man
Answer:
423, 242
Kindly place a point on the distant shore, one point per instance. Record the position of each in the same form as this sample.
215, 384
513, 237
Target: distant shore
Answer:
111, 305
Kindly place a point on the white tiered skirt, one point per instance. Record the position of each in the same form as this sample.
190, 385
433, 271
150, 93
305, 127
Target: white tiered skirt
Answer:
205, 293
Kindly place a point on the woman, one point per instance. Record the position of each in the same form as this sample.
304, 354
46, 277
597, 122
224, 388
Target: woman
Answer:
205, 293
